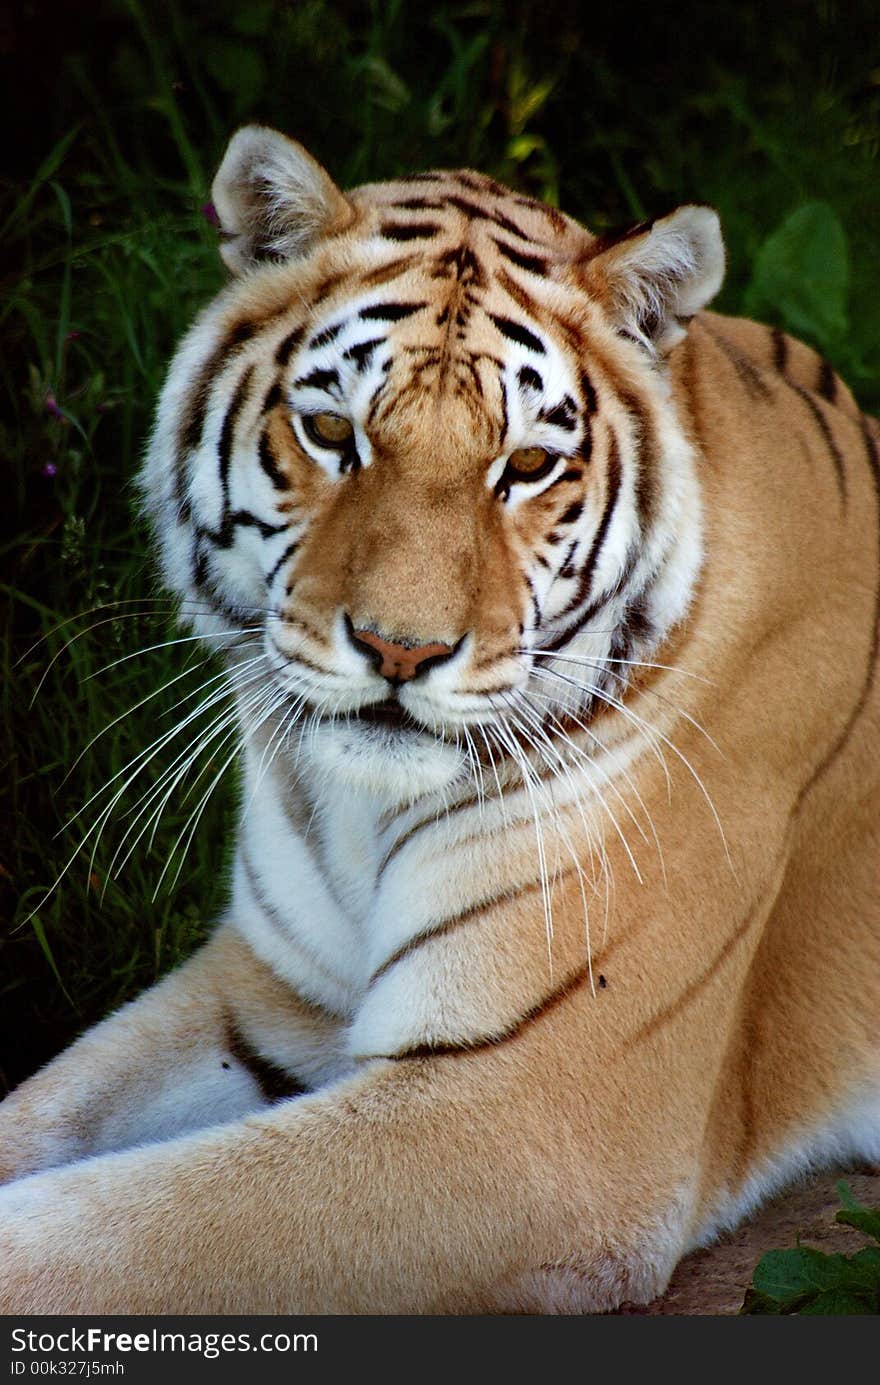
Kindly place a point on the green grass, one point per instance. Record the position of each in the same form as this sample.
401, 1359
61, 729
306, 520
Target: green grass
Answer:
770, 113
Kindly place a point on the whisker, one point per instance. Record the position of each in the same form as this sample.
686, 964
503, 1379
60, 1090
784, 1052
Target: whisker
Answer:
591, 690
606, 659
196, 816
173, 774
168, 644
590, 767
599, 664
651, 732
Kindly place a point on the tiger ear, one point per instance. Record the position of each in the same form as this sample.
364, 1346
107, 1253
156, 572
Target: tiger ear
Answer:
272, 199
652, 278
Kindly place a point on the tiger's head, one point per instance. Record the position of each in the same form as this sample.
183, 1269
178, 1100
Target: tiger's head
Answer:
420, 454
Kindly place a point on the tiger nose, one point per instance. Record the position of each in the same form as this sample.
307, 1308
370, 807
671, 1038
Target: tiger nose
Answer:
399, 663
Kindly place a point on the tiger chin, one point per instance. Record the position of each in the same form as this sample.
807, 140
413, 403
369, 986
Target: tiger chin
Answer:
548, 600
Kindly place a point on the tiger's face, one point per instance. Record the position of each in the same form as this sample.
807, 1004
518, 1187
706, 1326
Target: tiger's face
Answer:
421, 450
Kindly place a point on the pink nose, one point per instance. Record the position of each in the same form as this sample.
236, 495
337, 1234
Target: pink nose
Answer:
399, 662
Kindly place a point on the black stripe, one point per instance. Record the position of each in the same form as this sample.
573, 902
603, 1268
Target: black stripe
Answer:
416, 230
441, 930
826, 385
386, 272
224, 447
568, 570
274, 1083
646, 444
872, 454
418, 204
780, 350
473, 182
529, 378
376, 400
316, 1007
467, 371
193, 420
287, 347
269, 463
516, 332
244, 519
317, 379
561, 415
228, 610
466, 267
425, 823
571, 475
615, 476
828, 436
362, 354
477, 213
469, 915
533, 263
536, 605
505, 411
513, 1031
273, 397
554, 216
324, 338
224, 536
589, 393
389, 312
509, 226
750, 376
572, 513
288, 553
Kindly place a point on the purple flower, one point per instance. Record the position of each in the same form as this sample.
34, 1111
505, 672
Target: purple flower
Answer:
49, 469
209, 212
52, 406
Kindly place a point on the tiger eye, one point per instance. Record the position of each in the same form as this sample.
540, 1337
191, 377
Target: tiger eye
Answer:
331, 429
528, 461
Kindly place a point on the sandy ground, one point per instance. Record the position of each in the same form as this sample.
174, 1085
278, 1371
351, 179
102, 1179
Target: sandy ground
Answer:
714, 1280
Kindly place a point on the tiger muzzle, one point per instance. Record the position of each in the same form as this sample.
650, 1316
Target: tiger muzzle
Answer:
399, 663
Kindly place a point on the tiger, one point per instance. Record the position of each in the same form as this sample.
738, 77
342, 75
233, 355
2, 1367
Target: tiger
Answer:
548, 604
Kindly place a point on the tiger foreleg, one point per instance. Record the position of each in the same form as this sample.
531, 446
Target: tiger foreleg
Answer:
180, 1058
409, 1188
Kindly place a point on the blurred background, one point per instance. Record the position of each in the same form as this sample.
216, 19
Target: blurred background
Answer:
117, 112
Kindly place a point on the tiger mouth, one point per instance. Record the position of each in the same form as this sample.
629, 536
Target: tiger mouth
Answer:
388, 714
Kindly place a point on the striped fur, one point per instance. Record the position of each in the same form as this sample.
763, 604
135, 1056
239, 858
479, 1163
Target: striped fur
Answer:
543, 966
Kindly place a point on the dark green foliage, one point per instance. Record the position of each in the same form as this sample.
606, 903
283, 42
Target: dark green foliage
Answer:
118, 112
808, 1281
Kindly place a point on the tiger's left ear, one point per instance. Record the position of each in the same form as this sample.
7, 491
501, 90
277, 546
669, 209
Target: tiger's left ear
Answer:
273, 200
653, 278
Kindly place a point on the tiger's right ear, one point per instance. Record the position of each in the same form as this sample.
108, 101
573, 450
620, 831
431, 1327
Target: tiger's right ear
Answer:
273, 200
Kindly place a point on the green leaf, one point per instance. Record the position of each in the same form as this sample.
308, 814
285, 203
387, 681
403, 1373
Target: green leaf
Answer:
801, 276
854, 1214
784, 1274
760, 1305
838, 1301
